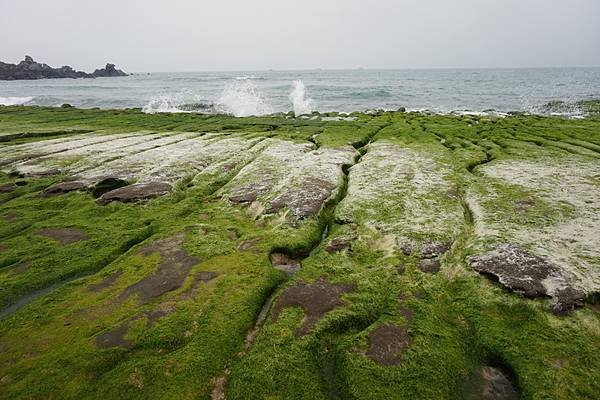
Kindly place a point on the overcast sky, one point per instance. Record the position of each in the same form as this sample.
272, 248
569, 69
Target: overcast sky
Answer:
196, 35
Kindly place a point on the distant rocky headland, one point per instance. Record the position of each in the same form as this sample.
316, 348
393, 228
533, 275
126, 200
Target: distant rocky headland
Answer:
30, 69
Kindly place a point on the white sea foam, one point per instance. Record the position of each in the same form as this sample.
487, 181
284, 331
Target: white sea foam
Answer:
302, 105
14, 101
243, 98
164, 104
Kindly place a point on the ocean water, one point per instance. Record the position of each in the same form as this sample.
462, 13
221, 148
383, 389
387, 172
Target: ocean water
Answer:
265, 92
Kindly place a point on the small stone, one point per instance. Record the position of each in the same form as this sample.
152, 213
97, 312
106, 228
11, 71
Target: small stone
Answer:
338, 244
431, 266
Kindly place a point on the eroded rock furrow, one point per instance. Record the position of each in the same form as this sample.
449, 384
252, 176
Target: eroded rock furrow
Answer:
289, 261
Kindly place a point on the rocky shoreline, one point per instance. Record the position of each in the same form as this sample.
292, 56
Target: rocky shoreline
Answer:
29, 69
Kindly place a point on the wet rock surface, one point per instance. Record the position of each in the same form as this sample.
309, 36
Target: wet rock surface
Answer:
315, 299
65, 235
387, 343
134, 193
174, 266
528, 274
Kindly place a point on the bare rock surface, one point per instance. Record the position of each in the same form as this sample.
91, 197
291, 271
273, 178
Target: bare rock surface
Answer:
528, 274
564, 235
290, 176
64, 187
387, 343
133, 193
174, 267
402, 193
493, 384
316, 299
65, 235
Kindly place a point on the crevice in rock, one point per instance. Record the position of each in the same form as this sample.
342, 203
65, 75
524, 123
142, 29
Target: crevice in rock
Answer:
289, 260
106, 185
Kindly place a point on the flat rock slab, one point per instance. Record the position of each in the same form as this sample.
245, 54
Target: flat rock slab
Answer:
387, 343
65, 235
174, 267
528, 274
315, 299
133, 193
63, 188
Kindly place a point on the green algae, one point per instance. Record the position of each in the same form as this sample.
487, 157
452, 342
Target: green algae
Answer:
457, 320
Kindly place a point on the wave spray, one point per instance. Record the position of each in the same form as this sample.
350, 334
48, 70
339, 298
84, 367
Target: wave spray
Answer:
302, 104
242, 98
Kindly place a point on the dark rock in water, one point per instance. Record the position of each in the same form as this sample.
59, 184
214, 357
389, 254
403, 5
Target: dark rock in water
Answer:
108, 72
133, 193
63, 187
198, 107
338, 244
315, 299
30, 69
523, 272
387, 343
66, 105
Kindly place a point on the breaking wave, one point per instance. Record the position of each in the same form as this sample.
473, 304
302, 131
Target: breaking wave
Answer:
242, 98
301, 104
14, 101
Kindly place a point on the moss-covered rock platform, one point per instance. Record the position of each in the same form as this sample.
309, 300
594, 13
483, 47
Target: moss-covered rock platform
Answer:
376, 256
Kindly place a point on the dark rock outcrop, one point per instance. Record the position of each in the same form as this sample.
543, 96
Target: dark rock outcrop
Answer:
108, 71
30, 69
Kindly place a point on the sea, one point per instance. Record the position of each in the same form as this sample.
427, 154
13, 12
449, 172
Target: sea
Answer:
545, 91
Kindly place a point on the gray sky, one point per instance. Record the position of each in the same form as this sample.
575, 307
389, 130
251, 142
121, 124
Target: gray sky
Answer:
196, 35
